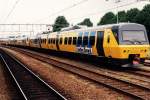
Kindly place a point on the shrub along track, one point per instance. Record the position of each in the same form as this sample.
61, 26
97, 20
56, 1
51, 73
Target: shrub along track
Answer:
117, 81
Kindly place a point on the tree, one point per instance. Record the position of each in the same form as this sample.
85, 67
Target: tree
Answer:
144, 17
131, 14
108, 18
122, 16
86, 22
60, 22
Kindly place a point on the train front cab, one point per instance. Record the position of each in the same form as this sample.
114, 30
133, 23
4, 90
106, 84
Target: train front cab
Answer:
126, 44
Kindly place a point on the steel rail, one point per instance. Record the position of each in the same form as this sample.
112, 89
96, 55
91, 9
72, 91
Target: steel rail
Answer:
77, 70
61, 97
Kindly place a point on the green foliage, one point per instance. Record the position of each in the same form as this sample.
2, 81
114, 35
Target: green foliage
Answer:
86, 22
122, 16
60, 22
131, 15
108, 18
144, 17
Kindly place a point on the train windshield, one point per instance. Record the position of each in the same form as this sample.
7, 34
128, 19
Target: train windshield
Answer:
134, 36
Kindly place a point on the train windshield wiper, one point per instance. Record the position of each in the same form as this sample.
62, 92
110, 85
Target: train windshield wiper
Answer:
135, 41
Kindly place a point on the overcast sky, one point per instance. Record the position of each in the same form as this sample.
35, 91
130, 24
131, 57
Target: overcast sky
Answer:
45, 11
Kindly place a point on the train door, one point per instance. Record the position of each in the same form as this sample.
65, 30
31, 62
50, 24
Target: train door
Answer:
86, 43
57, 41
38, 42
100, 43
79, 43
91, 42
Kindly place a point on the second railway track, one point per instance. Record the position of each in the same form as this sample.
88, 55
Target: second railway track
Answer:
30, 85
137, 91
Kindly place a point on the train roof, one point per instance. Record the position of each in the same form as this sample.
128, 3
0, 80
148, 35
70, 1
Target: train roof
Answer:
120, 25
33, 37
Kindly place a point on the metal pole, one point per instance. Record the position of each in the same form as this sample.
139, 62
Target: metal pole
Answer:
117, 1
117, 13
19, 28
32, 29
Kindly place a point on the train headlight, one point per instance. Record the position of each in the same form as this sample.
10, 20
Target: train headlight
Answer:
144, 50
124, 51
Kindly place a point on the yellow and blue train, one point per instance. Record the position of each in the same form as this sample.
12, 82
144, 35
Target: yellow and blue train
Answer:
124, 43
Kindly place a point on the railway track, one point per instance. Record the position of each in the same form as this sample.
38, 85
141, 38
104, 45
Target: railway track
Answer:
138, 91
140, 73
147, 63
30, 85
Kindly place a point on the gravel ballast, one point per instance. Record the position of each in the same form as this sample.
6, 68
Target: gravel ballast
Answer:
70, 85
4, 94
8, 89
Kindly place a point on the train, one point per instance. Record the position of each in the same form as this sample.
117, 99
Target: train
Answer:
125, 44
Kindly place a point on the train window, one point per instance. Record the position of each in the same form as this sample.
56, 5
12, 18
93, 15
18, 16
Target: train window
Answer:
115, 32
65, 40
60, 41
45, 41
74, 40
70, 40
49, 41
57, 39
35, 41
41, 40
85, 38
54, 41
80, 38
92, 38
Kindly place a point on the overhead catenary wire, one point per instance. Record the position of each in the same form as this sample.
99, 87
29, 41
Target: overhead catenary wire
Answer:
91, 14
12, 9
110, 9
64, 9
96, 13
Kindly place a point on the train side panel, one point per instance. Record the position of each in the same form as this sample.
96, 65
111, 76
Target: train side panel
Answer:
67, 41
52, 41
